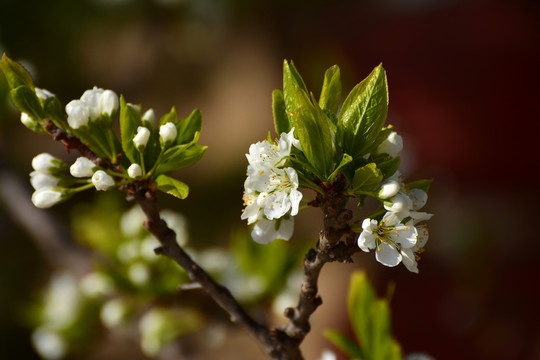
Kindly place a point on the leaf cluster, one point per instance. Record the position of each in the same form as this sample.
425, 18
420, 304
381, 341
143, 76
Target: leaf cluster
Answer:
371, 323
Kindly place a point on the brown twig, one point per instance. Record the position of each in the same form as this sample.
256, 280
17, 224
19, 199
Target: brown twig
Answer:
280, 344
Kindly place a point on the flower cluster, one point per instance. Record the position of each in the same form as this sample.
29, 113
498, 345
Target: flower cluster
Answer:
397, 237
92, 105
271, 195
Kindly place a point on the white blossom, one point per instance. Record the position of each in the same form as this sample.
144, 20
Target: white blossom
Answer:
40, 180
26, 120
271, 192
92, 99
149, 116
138, 273
43, 94
389, 237
265, 231
167, 133
109, 102
96, 284
82, 167
141, 138
392, 145
78, 114
44, 163
113, 313
102, 181
46, 197
134, 171
391, 186
49, 344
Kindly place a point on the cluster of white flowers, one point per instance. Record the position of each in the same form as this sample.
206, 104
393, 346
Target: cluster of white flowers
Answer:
45, 181
271, 195
397, 237
91, 106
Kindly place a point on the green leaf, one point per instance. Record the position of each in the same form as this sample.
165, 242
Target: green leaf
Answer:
313, 132
172, 186
331, 90
25, 100
423, 184
367, 178
179, 157
282, 123
360, 301
364, 112
171, 116
16, 75
383, 135
381, 334
130, 120
389, 167
345, 344
344, 161
188, 127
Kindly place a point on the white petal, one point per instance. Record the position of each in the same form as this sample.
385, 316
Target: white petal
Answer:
419, 216
400, 203
407, 256
423, 236
366, 241
405, 235
277, 205
387, 255
418, 198
295, 197
285, 229
264, 232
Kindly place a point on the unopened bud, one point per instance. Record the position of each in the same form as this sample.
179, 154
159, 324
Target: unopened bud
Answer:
167, 133
78, 114
149, 116
392, 145
82, 167
109, 102
47, 197
141, 139
102, 181
44, 163
134, 171
92, 99
42, 181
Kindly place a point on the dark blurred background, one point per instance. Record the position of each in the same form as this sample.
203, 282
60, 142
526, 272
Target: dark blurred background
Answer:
463, 80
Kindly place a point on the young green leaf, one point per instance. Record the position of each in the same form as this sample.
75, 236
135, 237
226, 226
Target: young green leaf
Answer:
282, 123
26, 101
364, 112
423, 184
172, 186
331, 90
367, 178
360, 301
16, 75
171, 116
346, 159
130, 120
188, 127
389, 166
345, 344
179, 157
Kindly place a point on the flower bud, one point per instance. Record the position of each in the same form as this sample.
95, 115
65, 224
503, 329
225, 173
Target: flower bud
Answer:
44, 163
43, 94
399, 203
109, 102
82, 167
134, 171
41, 181
47, 197
141, 139
92, 99
149, 116
389, 188
78, 114
392, 145
27, 120
102, 181
167, 133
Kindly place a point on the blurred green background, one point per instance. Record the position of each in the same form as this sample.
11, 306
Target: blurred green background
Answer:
463, 88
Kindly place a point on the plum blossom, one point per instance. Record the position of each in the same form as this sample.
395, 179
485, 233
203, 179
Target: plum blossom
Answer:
46, 197
167, 133
141, 138
392, 145
92, 104
271, 192
389, 237
134, 171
